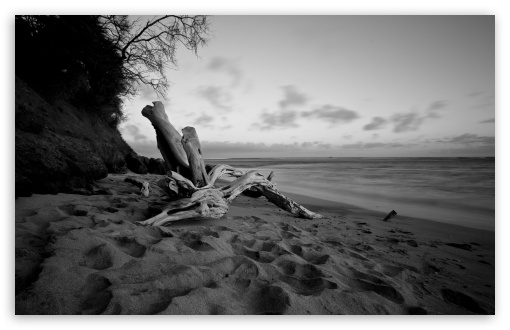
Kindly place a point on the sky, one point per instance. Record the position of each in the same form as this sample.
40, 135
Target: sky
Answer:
332, 86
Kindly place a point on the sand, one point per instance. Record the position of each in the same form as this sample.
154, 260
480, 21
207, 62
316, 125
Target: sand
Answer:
78, 254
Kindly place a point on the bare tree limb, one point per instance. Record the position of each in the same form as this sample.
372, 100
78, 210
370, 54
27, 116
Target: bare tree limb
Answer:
148, 49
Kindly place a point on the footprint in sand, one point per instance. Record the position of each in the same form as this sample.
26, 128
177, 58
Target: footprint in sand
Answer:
462, 300
67, 209
99, 258
194, 241
272, 300
310, 255
130, 246
334, 243
412, 243
265, 252
430, 269
308, 286
96, 295
288, 235
209, 232
306, 279
159, 232
389, 270
415, 310
368, 282
121, 205
244, 271
362, 247
352, 254
355, 255
258, 220
257, 255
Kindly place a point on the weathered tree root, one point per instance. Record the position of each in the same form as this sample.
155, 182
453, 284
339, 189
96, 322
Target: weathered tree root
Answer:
205, 201
209, 202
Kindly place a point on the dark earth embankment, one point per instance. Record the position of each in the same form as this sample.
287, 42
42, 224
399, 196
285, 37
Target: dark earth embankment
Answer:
60, 148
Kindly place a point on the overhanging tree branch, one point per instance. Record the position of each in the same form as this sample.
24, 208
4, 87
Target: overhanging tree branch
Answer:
148, 49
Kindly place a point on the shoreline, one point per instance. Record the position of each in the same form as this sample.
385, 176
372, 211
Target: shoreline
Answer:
383, 185
332, 205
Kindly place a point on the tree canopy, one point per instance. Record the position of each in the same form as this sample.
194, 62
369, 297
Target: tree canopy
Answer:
94, 61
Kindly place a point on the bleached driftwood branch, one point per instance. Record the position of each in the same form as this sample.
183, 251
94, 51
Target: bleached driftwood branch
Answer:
168, 138
191, 145
205, 200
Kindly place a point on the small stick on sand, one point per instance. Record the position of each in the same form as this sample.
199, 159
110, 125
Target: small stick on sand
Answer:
390, 215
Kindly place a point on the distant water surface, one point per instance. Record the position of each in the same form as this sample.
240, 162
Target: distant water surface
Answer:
452, 190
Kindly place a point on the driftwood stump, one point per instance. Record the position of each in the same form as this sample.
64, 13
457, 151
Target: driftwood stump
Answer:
193, 150
168, 138
205, 200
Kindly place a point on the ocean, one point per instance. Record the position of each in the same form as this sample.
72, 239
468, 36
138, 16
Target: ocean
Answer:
451, 190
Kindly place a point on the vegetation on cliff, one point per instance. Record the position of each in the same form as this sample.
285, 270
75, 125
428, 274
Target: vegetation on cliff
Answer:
72, 73
95, 61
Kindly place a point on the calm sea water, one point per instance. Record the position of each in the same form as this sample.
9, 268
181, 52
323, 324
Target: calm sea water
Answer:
452, 190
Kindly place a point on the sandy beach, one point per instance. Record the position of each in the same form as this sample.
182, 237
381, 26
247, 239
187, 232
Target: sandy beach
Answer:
78, 254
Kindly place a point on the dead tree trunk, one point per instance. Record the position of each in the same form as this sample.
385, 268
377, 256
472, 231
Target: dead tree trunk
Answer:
168, 138
206, 201
191, 145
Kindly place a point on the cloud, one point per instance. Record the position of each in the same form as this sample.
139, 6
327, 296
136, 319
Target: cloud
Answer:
332, 114
204, 120
466, 145
134, 132
407, 122
284, 117
431, 111
488, 121
292, 97
376, 123
437, 105
281, 119
374, 145
471, 139
241, 149
217, 96
316, 145
228, 66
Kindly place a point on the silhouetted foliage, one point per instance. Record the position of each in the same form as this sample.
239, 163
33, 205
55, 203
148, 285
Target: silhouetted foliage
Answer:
93, 61
147, 45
